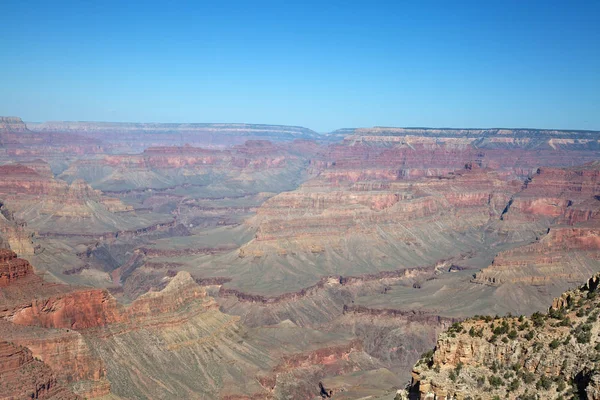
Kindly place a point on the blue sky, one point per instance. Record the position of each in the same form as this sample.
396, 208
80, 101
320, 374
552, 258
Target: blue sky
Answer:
324, 66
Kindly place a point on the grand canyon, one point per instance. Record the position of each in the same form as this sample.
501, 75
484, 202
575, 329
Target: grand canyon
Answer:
245, 261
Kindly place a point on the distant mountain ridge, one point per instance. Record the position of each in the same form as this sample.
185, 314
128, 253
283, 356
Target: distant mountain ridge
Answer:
137, 127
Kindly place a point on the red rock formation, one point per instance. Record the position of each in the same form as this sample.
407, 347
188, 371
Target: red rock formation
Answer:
22, 376
566, 200
566, 254
14, 234
20, 184
316, 210
324, 356
76, 310
409, 153
12, 268
555, 192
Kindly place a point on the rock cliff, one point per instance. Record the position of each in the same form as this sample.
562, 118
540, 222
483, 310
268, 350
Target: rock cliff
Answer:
564, 201
542, 356
23, 376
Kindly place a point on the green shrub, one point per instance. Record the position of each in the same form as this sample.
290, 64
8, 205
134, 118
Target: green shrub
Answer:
458, 368
452, 376
529, 335
544, 383
583, 333
556, 314
528, 377
538, 319
565, 322
455, 328
502, 329
495, 381
523, 326
495, 367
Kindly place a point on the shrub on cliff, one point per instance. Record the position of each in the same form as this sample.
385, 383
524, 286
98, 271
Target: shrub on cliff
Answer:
544, 383
554, 344
538, 319
495, 381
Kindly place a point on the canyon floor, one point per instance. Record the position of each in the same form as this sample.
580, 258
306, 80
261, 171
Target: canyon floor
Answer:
238, 261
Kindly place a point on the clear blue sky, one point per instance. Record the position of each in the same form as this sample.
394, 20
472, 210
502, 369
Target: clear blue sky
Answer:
483, 63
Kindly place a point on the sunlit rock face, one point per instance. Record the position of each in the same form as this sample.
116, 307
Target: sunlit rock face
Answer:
566, 201
509, 356
24, 376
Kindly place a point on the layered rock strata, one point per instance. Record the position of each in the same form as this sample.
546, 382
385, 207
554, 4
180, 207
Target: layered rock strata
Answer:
550, 354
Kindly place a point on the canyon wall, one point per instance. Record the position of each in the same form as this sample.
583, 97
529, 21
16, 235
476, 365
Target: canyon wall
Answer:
548, 354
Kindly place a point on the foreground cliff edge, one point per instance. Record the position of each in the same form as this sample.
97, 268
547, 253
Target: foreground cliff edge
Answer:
545, 356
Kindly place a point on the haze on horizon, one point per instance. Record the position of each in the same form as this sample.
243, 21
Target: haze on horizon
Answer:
323, 66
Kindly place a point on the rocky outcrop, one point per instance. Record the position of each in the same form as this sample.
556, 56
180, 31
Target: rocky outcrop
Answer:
14, 234
76, 310
12, 268
23, 376
511, 357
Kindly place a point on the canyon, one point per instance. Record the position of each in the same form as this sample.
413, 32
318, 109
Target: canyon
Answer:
242, 261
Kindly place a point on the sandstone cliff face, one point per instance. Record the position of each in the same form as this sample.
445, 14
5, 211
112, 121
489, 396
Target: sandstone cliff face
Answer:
12, 268
27, 304
565, 201
408, 153
318, 218
558, 192
19, 183
548, 354
22, 376
12, 124
14, 234
54, 207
